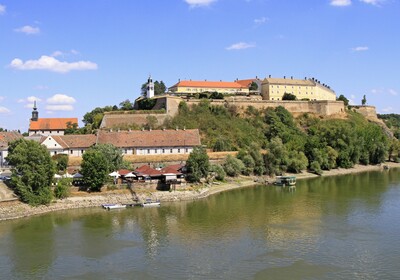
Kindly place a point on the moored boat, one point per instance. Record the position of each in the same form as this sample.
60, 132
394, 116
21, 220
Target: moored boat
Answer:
285, 180
113, 206
151, 203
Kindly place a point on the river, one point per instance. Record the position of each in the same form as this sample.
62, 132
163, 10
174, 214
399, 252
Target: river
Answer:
342, 227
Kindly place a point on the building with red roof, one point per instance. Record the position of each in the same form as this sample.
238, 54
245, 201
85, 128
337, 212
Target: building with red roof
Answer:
49, 126
193, 87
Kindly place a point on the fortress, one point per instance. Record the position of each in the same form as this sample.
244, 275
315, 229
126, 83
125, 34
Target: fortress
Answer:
170, 105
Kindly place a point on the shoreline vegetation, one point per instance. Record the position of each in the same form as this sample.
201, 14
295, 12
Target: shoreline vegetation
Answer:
16, 209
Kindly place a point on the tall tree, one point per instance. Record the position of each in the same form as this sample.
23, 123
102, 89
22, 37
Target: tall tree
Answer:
197, 165
344, 99
364, 100
94, 169
112, 154
33, 171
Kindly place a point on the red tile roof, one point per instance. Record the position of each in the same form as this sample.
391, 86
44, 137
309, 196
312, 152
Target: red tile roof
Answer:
8, 136
51, 123
147, 170
208, 84
75, 141
153, 138
245, 83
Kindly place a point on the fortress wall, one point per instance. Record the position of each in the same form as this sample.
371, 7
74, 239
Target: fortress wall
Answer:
367, 111
325, 108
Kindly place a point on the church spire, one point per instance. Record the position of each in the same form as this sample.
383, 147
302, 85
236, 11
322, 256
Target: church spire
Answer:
35, 113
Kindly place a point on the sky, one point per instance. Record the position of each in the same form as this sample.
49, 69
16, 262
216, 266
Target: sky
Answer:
72, 56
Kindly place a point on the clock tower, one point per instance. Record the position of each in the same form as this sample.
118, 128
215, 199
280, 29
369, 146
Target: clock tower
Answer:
150, 88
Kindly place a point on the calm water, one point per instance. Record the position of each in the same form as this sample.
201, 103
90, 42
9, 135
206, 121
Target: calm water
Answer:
329, 228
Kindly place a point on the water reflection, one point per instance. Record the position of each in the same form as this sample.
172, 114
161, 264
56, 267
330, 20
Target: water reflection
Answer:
330, 227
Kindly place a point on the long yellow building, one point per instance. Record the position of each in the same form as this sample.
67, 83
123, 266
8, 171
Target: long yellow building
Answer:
189, 87
307, 89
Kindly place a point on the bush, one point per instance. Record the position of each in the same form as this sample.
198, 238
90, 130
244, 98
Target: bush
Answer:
62, 189
315, 168
218, 171
233, 166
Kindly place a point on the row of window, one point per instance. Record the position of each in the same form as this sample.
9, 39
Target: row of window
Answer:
289, 86
161, 150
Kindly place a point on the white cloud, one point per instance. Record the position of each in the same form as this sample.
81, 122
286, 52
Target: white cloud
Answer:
61, 53
29, 101
260, 21
360, 49
59, 107
2, 9
392, 92
340, 3
61, 99
199, 3
240, 46
4, 110
2, 98
52, 64
27, 29
373, 2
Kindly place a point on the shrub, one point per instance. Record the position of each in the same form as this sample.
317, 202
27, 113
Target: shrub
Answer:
62, 189
218, 171
233, 166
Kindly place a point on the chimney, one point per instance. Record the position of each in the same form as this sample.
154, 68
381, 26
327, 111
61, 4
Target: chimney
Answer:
284, 77
270, 76
256, 77
291, 77
305, 78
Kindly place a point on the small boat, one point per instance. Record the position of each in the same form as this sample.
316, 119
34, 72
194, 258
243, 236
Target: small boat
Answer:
285, 181
113, 206
150, 203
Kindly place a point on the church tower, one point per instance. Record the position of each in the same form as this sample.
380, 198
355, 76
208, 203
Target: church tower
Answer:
150, 88
35, 113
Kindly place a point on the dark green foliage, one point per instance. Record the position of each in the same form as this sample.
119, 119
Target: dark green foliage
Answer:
393, 122
151, 122
197, 165
316, 168
253, 86
218, 172
276, 159
233, 166
289, 96
297, 162
146, 104
159, 88
344, 99
95, 169
33, 171
72, 128
216, 95
62, 189
221, 128
203, 95
61, 161
112, 154
364, 100
126, 105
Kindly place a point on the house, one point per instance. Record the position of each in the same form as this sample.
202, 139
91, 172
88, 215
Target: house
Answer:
49, 126
248, 82
139, 142
193, 87
5, 138
152, 142
307, 89
71, 145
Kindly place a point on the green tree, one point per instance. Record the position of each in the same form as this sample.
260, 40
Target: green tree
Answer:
233, 166
159, 88
95, 169
364, 100
61, 161
62, 189
218, 172
151, 122
72, 128
33, 171
289, 96
216, 95
112, 154
344, 99
276, 159
126, 105
253, 86
197, 165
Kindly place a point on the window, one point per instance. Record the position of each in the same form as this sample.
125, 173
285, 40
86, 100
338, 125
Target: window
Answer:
163, 151
55, 145
155, 151
71, 152
148, 151
55, 152
179, 150
171, 151
187, 150
126, 151
81, 151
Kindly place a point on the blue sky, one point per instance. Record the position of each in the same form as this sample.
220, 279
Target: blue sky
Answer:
73, 56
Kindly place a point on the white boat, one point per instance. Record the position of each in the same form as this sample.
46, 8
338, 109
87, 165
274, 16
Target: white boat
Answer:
113, 206
150, 203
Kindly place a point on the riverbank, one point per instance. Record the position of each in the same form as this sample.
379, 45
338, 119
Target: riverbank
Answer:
16, 209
